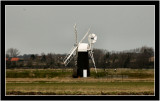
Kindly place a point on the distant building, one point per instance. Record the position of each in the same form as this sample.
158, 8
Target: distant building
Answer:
15, 59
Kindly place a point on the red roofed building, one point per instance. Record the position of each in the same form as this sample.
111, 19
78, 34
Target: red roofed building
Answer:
14, 59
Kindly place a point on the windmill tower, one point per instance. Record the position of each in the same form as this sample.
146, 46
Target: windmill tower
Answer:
81, 52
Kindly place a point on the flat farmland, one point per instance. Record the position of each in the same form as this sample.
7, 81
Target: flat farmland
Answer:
60, 82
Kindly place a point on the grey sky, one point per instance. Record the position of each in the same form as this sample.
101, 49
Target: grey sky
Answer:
37, 29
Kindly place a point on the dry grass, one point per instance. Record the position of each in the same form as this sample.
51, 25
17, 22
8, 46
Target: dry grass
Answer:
82, 86
70, 79
85, 88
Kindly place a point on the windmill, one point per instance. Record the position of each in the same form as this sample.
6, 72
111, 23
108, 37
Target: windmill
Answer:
80, 52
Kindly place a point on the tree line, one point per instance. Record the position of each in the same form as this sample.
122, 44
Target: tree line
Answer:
135, 58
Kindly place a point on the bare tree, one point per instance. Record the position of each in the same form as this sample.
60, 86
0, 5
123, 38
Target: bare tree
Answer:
99, 57
13, 52
50, 60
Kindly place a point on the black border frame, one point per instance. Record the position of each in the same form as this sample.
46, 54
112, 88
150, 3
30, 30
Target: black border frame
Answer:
155, 3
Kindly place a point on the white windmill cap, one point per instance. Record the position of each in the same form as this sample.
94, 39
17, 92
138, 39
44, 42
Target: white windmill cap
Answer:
83, 47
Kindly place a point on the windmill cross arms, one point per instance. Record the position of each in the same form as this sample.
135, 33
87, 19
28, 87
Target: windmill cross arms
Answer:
70, 56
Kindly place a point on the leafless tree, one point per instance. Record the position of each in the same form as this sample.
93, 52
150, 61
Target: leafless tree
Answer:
13, 52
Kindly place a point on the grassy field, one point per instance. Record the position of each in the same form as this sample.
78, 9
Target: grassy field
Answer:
60, 82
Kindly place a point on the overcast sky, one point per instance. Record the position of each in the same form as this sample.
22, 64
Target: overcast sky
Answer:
37, 29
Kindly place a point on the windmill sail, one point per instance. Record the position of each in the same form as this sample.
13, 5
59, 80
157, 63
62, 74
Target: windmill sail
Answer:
92, 38
70, 55
75, 29
91, 55
76, 44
